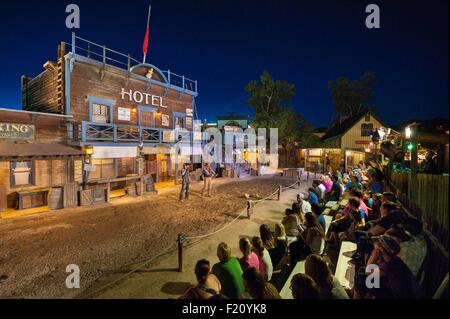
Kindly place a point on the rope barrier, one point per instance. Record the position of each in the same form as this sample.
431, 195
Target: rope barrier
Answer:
296, 183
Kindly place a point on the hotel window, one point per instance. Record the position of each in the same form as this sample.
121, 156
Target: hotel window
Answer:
100, 113
366, 129
22, 173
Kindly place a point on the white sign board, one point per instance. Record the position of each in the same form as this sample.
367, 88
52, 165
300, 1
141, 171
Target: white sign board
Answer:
104, 152
165, 120
124, 114
189, 112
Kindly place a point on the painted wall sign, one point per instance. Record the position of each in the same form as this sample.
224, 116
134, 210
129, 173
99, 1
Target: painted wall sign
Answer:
165, 120
142, 98
17, 131
124, 114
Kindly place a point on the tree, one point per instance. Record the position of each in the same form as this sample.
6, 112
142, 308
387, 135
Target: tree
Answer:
271, 101
269, 98
352, 97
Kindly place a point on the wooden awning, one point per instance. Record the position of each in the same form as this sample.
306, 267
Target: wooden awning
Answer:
11, 149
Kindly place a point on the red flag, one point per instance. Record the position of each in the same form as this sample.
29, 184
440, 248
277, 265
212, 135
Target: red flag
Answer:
145, 45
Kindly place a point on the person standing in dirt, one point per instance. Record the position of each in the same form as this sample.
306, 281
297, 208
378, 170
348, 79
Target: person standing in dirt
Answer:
185, 180
208, 174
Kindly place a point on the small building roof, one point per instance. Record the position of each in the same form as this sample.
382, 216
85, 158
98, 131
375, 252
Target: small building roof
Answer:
340, 129
13, 149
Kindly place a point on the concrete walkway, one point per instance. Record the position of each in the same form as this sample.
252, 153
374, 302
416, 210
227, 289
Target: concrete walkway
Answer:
163, 281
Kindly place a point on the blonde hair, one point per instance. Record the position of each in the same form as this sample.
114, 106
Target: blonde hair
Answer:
280, 231
223, 252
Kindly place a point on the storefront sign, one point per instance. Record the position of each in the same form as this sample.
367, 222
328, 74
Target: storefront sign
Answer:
189, 112
16, 131
124, 114
362, 142
165, 120
142, 98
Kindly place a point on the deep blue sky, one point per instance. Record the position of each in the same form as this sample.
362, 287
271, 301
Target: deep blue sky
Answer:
226, 44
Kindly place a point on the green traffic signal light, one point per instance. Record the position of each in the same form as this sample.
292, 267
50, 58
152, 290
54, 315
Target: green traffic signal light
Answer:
410, 146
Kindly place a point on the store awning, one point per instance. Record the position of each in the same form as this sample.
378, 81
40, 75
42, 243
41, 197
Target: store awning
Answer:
11, 149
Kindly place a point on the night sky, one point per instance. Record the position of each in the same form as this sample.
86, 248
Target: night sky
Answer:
226, 44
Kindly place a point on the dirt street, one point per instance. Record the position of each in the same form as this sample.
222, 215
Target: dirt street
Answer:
35, 250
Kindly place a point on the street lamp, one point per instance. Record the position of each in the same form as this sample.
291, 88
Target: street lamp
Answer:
408, 132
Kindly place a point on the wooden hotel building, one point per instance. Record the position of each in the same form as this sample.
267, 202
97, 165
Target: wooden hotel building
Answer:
125, 116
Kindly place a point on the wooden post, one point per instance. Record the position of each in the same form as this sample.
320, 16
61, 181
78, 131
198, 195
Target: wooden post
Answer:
298, 183
180, 252
280, 189
249, 208
108, 192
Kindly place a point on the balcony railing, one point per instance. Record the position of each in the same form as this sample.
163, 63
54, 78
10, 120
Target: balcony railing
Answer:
107, 56
97, 132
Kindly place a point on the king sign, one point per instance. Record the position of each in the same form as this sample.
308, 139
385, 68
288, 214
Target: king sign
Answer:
144, 98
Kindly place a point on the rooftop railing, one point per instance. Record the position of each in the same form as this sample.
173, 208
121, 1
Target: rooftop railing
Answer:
107, 56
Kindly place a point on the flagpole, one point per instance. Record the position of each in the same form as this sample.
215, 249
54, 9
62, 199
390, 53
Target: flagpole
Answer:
148, 25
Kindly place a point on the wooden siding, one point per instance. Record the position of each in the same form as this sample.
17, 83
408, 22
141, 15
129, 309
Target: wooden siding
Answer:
86, 81
48, 128
349, 139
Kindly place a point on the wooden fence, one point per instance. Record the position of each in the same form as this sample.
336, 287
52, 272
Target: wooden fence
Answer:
431, 204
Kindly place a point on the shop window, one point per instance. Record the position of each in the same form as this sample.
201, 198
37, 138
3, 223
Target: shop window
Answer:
366, 129
22, 173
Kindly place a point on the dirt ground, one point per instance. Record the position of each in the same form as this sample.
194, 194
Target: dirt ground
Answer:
34, 251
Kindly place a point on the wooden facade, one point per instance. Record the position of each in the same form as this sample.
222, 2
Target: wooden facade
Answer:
47, 160
122, 109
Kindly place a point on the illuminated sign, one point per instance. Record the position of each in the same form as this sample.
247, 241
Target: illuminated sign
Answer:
16, 131
142, 98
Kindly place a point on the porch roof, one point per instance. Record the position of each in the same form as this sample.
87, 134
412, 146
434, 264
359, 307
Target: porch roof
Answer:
13, 149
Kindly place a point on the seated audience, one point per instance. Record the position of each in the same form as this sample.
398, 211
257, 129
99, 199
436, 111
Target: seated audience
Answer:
396, 280
280, 249
229, 272
309, 241
336, 190
318, 212
354, 183
320, 189
208, 286
267, 237
257, 287
312, 197
388, 197
304, 287
249, 258
291, 223
265, 262
301, 207
329, 286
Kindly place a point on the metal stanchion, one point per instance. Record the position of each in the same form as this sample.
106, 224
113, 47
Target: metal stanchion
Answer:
180, 241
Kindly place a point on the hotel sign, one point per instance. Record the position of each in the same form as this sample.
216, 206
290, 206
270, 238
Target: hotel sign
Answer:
142, 98
16, 131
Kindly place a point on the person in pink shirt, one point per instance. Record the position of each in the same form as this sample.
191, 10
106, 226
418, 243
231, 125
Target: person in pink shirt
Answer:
359, 194
327, 182
249, 258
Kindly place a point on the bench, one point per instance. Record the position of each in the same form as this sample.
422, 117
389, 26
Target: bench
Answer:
286, 292
345, 270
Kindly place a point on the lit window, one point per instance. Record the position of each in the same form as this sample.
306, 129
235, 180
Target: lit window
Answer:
366, 129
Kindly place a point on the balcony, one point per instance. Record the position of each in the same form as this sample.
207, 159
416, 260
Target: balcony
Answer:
87, 132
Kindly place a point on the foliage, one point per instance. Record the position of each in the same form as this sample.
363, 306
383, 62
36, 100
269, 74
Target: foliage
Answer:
352, 97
